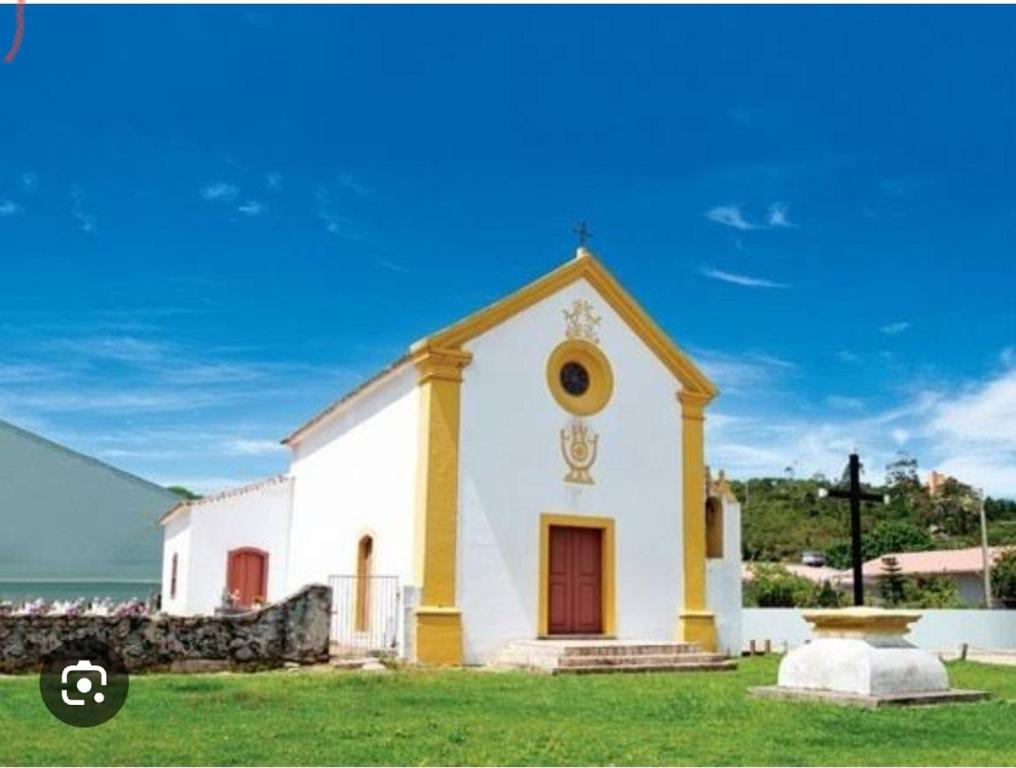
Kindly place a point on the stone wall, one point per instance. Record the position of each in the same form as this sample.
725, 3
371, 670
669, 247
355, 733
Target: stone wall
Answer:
293, 630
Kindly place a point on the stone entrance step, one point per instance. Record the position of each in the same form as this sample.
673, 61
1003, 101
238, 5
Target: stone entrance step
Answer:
559, 656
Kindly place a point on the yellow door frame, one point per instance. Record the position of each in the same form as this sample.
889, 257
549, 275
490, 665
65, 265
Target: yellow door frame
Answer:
608, 590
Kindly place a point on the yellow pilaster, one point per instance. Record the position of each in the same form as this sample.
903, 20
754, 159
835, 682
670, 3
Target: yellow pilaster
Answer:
438, 632
695, 623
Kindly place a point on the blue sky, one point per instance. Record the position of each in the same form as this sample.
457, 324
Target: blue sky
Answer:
213, 221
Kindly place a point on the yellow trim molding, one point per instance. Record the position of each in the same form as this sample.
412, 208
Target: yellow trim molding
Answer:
601, 378
859, 621
438, 638
695, 623
583, 266
607, 588
438, 632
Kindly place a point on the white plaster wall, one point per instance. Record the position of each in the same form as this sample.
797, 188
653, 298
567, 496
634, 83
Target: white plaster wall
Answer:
355, 474
511, 471
937, 630
176, 540
723, 583
258, 518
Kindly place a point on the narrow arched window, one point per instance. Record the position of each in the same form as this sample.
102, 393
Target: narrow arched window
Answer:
714, 527
172, 576
364, 570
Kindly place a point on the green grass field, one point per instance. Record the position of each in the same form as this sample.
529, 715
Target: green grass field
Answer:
312, 717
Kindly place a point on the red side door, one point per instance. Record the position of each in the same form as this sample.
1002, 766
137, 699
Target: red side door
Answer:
575, 583
247, 575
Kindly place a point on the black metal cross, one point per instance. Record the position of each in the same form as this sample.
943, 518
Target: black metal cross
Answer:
855, 495
583, 232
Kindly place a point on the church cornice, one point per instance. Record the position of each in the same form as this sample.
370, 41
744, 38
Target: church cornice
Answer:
440, 363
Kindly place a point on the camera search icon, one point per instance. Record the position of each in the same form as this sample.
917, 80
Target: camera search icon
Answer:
84, 683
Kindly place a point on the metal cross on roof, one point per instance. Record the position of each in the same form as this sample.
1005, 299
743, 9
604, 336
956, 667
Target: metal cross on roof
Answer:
583, 232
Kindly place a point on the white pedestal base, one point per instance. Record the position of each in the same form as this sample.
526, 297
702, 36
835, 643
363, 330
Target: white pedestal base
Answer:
859, 656
876, 666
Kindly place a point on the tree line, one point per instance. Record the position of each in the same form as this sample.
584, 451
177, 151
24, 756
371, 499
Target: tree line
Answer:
784, 517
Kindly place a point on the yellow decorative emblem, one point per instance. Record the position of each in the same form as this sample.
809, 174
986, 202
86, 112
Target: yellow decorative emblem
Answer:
581, 323
578, 446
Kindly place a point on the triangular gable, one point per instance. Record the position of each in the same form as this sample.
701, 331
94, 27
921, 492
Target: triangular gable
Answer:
585, 265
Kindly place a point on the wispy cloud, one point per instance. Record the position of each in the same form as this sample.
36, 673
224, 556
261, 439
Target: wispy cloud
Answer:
9, 208
892, 329
730, 216
733, 216
894, 187
251, 208
247, 447
738, 279
747, 372
154, 402
966, 431
29, 181
391, 266
217, 373
125, 349
29, 373
273, 181
339, 226
975, 434
220, 190
766, 443
335, 222
845, 403
86, 221
985, 413
348, 181
776, 216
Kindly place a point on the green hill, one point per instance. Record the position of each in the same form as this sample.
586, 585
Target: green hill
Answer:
782, 517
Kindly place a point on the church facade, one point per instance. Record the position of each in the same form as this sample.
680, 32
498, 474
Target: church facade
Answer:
534, 470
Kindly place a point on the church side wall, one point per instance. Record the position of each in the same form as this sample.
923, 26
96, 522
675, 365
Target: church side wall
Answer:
176, 541
258, 519
512, 471
355, 475
723, 583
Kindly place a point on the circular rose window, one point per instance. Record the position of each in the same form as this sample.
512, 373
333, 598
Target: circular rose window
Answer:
579, 377
574, 378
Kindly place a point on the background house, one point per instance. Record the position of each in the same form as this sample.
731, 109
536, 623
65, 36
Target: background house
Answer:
72, 525
964, 567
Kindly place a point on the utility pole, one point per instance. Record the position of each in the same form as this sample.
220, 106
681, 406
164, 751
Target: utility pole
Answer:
985, 552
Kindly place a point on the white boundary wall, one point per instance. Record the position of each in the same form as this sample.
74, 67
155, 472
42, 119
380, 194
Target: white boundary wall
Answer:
937, 630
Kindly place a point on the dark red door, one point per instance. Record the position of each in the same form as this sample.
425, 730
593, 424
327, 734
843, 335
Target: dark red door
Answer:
247, 575
575, 583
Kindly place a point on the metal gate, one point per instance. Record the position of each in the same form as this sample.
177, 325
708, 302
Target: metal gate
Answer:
365, 613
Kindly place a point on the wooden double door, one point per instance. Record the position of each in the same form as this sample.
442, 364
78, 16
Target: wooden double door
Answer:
575, 570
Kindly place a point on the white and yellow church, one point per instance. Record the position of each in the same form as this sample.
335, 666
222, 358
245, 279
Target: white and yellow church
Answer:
535, 470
